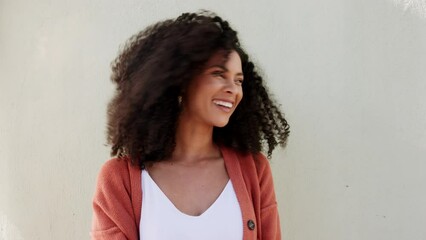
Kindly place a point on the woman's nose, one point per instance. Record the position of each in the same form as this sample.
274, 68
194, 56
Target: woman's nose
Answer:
231, 87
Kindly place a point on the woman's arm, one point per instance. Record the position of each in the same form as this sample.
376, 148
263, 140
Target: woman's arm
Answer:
113, 215
270, 223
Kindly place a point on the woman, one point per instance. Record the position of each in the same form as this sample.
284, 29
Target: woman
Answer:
187, 124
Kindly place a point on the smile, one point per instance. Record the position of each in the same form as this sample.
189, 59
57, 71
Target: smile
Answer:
223, 103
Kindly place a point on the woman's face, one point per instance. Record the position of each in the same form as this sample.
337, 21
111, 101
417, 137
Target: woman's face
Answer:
213, 95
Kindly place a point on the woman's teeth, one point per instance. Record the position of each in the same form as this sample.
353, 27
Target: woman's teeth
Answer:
223, 104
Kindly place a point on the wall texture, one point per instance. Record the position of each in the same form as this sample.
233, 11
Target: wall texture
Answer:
349, 73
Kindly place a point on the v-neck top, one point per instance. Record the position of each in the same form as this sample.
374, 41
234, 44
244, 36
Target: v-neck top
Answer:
117, 201
161, 220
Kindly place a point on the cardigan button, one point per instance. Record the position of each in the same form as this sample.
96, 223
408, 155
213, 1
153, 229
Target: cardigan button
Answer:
250, 224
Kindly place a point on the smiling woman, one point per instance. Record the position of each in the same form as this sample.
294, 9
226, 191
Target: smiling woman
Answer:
215, 93
187, 126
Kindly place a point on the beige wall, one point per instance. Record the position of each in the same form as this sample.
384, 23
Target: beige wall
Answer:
350, 76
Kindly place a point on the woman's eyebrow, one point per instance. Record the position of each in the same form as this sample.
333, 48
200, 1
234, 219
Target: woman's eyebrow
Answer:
218, 66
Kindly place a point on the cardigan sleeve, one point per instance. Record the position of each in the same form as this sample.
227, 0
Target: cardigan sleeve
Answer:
113, 217
270, 223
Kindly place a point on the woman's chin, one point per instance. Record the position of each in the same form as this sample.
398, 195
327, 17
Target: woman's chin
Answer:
221, 123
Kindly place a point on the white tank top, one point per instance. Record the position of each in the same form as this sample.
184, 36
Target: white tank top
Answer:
161, 220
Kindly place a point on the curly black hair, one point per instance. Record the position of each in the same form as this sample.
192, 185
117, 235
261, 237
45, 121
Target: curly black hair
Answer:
153, 70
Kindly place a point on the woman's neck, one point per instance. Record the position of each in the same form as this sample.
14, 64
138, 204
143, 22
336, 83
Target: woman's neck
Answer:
194, 142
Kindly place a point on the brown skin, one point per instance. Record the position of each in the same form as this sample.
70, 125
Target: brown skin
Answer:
195, 175
192, 187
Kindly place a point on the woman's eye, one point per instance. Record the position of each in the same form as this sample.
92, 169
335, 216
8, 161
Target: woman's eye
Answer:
239, 81
217, 74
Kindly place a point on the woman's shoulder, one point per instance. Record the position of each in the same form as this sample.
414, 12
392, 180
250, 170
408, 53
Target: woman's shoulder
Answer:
117, 171
113, 167
257, 158
251, 161
117, 188
261, 162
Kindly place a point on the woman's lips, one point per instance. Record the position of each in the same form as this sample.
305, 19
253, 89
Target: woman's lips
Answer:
223, 105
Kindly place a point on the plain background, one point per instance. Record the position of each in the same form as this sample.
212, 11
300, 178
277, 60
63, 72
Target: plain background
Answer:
349, 74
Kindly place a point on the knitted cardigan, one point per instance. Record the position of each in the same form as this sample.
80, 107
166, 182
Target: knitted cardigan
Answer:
117, 201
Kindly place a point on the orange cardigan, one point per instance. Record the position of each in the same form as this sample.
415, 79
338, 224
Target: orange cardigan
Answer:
117, 201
